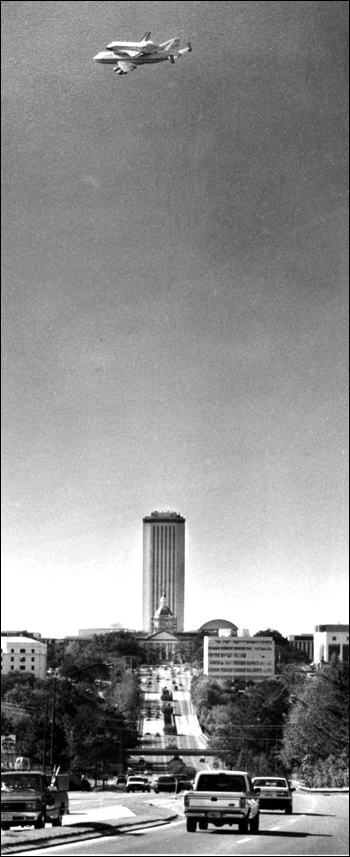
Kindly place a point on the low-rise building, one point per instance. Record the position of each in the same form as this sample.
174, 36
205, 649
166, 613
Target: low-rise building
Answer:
304, 642
331, 642
233, 657
23, 654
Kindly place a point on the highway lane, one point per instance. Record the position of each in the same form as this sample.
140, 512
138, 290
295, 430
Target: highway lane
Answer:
186, 721
319, 827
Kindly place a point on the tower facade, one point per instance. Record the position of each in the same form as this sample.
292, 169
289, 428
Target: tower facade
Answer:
163, 565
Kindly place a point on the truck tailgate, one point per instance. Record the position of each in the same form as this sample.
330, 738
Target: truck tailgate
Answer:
206, 800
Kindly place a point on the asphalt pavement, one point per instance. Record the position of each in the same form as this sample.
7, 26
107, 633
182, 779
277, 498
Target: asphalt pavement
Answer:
102, 815
318, 826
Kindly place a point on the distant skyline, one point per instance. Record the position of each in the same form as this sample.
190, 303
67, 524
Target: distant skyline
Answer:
175, 312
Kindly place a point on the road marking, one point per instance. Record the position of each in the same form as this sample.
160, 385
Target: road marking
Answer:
275, 828
239, 841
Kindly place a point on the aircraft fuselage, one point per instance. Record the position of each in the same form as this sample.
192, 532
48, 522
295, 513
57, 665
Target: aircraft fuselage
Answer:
146, 59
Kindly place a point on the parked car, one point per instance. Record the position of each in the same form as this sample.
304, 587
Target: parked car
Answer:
121, 780
274, 793
165, 783
138, 784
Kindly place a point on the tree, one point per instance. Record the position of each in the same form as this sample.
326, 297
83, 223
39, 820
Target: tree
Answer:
190, 651
205, 693
316, 735
95, 704
276, 636
244, 725
284, 652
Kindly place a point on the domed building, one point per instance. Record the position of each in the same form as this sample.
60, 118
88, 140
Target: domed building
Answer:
163, 637
163, 618
219, 627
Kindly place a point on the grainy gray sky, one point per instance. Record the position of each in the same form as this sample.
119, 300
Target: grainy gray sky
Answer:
175, 311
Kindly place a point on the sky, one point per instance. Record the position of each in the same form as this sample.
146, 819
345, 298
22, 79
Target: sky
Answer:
174, 312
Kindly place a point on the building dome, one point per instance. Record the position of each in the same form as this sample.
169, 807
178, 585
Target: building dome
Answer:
217, 624
163, 609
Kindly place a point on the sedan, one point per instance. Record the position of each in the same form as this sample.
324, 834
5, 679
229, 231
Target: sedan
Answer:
274, 793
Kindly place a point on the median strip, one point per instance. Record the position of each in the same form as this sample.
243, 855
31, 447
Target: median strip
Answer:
27, 838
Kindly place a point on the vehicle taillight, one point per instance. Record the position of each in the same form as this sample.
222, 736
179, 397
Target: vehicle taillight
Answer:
186, 800
242, 802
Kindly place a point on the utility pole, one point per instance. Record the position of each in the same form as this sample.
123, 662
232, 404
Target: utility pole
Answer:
45, 731
104, 755
53, 723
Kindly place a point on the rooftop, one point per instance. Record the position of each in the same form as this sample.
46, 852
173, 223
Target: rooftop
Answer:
163, 516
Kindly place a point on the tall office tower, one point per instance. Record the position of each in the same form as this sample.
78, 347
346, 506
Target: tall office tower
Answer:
163, 565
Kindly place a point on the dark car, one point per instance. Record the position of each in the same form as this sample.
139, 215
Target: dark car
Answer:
274, 793
165, 783
184, 785
121, 780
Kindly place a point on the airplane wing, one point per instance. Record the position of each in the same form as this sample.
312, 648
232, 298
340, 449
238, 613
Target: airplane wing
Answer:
123, 67
148, 49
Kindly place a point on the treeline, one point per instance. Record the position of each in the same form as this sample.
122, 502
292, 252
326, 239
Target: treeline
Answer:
295, 724
316, 733
84, 715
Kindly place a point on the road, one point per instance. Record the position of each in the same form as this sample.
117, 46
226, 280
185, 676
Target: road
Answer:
189, 733
318, 826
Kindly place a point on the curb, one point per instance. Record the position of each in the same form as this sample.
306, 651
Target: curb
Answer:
342, 791
74, 835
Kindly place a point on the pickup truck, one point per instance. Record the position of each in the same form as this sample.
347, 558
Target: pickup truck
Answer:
28, 798
222, 797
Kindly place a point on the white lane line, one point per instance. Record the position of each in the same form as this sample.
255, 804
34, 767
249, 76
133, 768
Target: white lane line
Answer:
275, 828
239, 841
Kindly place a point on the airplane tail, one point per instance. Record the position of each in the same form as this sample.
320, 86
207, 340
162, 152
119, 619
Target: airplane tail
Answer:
186, 50
146, 37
